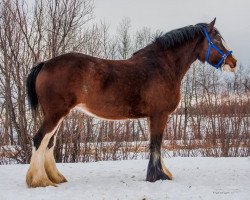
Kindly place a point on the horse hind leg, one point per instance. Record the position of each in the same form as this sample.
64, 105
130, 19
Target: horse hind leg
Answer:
50, 164
36, 175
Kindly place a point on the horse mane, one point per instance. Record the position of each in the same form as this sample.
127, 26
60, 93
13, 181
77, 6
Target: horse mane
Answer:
178, 36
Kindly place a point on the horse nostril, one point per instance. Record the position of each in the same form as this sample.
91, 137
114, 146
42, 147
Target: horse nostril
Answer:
235, 63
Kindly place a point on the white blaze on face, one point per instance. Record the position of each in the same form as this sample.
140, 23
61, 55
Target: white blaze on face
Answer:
226, 67
225, 44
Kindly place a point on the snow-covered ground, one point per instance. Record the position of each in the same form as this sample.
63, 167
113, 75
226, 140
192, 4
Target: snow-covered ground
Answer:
194, 178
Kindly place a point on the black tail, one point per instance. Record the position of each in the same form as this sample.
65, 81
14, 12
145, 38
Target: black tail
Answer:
31, 85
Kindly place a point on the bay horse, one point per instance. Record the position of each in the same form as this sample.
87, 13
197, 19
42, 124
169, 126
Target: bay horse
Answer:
147, 85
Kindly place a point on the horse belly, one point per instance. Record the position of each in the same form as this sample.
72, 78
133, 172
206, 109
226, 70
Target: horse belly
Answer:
100, 113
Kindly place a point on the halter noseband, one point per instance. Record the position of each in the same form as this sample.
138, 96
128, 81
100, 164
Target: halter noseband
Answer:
212, 45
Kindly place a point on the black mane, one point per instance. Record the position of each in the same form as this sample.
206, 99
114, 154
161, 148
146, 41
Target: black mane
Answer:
177, 37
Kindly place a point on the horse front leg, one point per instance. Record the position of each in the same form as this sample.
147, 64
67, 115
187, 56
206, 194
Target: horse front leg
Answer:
156, 168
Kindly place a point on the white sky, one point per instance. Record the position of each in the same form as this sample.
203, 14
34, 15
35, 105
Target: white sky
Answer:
233, 18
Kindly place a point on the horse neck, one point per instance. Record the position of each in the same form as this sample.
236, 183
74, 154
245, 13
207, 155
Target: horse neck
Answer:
179, 59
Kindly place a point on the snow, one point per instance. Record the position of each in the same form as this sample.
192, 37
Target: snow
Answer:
194, 178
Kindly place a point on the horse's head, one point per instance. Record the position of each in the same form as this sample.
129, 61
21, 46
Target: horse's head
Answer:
215, 51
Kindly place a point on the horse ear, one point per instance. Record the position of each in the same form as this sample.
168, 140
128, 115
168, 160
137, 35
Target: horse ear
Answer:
211, 25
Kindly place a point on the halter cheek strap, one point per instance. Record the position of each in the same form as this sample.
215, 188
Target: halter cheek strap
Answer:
212, 45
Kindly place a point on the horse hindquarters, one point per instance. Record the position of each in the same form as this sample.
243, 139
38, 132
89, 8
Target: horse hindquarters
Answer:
42, 171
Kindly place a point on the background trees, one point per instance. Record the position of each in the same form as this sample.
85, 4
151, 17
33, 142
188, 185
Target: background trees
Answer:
212, 119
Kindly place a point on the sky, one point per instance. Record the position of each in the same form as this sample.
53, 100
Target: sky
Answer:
233, 18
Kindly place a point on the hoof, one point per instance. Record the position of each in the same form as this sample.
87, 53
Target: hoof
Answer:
33, 182
158, 175
57, 178
158, 171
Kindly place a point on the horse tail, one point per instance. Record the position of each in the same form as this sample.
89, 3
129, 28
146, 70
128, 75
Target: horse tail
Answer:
31, 85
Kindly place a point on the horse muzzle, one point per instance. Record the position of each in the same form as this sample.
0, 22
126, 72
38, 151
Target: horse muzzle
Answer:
230, 64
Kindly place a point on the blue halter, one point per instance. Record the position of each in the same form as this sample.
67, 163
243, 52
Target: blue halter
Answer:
210, 46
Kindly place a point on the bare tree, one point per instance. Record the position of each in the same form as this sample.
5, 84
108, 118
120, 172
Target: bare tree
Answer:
124, 39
